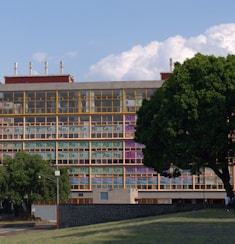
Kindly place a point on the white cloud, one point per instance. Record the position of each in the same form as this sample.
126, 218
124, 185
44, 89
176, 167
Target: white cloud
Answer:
39, 57
147, 62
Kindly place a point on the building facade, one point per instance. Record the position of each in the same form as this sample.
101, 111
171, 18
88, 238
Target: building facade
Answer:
89, 128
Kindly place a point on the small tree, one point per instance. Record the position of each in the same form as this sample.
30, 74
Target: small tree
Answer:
189, 121
20, 182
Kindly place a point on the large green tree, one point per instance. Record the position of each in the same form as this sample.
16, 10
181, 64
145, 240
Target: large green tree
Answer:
20, 181
189, 121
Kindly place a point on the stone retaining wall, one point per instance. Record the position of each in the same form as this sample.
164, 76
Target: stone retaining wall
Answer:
71, 215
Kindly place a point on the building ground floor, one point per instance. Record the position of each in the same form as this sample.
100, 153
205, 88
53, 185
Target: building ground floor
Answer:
135, 196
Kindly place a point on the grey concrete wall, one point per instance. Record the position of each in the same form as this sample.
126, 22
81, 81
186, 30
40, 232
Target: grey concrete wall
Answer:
45, 212
78, 215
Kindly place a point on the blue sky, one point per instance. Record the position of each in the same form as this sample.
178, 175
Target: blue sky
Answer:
111, 39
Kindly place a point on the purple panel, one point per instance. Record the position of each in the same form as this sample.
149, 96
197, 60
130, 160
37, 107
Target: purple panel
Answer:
139, 155
133, 144
151, 170
130, 154
130, 170
130, 128
139, 145
141, 170
129, 144
130, 117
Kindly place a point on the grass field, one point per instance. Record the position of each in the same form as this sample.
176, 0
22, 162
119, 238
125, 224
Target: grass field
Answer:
201, 226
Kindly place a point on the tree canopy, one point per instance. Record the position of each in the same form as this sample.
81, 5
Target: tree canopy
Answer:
20, 182
189, 121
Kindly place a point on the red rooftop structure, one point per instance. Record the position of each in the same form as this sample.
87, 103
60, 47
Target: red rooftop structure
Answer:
61, 78
38, 79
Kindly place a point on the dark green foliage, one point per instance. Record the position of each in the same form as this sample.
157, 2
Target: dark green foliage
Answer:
20, 181
187, 122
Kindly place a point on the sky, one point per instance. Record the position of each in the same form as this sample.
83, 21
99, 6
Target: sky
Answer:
111, 40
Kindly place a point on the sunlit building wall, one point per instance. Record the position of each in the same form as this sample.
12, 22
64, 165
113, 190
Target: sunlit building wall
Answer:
89, 128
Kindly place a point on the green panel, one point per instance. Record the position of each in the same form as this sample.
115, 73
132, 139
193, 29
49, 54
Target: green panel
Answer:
118, 128
18, 130
118, 154
83, 128
107, 170
50, 129
40, 129
84, 170
96, 129
73, 129
18, 145
107, 155
29, 145
63, 155
95, 144
73, 144
74, 170
49, 155
107, 144
40, 144
83, 155
117, 170
45, 155
117, 144
29, 129
12, 145
96, 170
107, 128
63, 129
73, 155
63, 144
83, 144
50, 144
95, 155
138, 102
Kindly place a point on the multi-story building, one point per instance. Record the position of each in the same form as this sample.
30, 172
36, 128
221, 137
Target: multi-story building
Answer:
89, 127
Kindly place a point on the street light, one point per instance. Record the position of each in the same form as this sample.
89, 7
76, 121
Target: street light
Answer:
57, 175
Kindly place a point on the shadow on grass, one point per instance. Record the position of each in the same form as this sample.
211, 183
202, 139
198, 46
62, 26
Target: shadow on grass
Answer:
204, 226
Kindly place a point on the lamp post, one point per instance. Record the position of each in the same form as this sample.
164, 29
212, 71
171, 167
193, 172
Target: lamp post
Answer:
57, 175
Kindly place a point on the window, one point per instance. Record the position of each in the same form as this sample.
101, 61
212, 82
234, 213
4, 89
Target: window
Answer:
104, 196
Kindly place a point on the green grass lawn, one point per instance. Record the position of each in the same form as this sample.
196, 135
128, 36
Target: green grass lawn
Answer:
201, 226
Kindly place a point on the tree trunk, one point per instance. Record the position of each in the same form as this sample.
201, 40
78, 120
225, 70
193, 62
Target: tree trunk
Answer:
225, 177
27, 208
